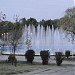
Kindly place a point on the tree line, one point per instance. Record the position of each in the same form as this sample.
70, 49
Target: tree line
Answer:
7, 26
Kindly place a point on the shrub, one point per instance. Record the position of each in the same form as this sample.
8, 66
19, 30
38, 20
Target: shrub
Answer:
12, 59
67, 53
44, 56
58, 56
29, 55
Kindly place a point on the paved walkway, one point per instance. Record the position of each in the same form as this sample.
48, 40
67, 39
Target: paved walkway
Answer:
67, 67
53, 71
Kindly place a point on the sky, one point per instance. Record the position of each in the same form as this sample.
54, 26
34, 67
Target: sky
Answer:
38, 9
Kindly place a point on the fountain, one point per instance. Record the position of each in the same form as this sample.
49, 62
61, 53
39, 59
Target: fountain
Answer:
51, 39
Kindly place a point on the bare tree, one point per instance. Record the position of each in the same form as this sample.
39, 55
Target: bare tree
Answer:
69, 20
16, 34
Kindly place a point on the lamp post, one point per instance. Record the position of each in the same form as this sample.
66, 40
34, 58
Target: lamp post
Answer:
5, 37
2, 37
2, 17
5, 40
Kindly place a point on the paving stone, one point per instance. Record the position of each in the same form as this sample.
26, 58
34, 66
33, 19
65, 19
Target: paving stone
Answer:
53, 71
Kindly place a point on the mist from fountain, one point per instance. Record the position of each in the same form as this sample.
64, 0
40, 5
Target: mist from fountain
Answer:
51, 39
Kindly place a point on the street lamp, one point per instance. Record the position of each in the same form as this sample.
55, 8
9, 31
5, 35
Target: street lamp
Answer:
4, 39
7, 37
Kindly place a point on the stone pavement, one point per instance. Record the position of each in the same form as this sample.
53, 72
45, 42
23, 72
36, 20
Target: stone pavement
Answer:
57, 70
67, 67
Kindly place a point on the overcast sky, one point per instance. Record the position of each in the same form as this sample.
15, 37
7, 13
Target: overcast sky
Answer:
39, 9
